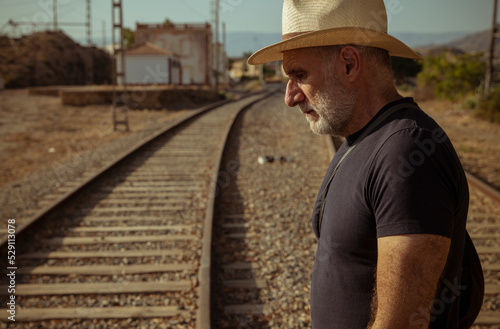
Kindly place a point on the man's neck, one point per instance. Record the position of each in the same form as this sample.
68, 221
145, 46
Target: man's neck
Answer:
367, 106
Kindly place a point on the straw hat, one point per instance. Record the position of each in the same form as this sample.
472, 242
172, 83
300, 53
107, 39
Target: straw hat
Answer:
311, 23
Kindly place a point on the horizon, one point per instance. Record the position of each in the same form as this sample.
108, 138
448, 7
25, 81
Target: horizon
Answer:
405, 17
262, 39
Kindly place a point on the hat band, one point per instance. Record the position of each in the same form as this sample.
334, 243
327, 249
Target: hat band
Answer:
291, 35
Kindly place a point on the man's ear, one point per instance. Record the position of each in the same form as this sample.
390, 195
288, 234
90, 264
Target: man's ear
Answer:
351, 61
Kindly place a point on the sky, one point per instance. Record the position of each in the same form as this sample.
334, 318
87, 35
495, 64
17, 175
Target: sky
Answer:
264, 16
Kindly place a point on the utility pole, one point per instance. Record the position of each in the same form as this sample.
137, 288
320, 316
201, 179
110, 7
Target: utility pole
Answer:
118, 45
224, 56
120, 103
89, 24
217, 48
490, 72
90, 59
103, 34
54, 9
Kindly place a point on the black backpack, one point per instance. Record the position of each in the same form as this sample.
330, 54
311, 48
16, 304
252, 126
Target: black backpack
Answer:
471, 299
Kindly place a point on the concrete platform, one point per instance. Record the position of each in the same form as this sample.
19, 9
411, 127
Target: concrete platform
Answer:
47, 91
137, 97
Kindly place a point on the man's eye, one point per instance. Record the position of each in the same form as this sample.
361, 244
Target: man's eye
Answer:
300, 76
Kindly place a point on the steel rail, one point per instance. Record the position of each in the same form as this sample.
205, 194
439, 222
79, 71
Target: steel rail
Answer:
22, 227
204, 269
203, 318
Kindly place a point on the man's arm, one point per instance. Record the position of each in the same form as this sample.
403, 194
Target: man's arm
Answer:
408, 271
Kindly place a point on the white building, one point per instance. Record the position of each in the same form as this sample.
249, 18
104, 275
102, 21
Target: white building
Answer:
149, 64
192, 43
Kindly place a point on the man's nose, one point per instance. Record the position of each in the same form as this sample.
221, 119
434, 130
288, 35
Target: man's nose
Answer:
293, 95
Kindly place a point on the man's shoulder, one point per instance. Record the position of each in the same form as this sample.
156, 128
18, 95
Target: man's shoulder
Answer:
408, 124
412, 115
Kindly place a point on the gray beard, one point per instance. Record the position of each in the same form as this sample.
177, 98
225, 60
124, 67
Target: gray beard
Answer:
334, 111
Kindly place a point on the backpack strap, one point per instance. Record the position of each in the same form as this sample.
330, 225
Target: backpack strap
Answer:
472, 279
358, 140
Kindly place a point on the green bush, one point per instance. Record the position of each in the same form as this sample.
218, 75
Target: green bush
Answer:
403, 68
128, 38
452, 76
470, 103
489, 106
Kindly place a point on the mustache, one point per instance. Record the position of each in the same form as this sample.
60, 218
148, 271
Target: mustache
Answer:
306, 107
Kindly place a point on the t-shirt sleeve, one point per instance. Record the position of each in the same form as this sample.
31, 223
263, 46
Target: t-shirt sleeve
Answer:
412, 184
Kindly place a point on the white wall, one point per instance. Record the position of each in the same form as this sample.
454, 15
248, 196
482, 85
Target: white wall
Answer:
193, 55
147, 69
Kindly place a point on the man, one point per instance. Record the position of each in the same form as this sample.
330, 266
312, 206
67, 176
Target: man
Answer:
391, 213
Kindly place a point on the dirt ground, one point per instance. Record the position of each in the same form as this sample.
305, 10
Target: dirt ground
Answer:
476, 141
36, 131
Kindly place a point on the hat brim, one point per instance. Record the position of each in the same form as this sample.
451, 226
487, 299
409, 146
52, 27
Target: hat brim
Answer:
331, 37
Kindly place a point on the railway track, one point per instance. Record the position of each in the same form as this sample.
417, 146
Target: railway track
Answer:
132, 253
126, 249
262, 283
484, 227
263, 243
259, 284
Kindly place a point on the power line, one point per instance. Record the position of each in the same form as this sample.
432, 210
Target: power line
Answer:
71, 9
56, 23
188, 6
19, 5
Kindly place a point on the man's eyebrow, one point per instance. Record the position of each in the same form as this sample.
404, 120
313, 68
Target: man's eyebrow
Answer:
293, 71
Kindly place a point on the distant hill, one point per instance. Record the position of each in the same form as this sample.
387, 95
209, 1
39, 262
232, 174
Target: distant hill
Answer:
239, 43
242, 42
417, 40
476, 42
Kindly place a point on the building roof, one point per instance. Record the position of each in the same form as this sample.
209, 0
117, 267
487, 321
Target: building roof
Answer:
171, 26
148, 48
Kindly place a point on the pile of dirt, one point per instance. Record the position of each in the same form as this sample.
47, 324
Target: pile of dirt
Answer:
51, 58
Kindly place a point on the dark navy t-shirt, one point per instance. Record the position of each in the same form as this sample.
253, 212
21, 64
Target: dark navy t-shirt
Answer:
403, 178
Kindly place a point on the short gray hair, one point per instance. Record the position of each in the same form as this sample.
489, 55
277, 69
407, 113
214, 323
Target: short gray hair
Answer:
377, 55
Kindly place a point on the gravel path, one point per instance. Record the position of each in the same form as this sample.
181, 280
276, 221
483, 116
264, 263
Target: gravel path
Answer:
45, 145
283, 245
83, 142
274, 201
477, 142
282, 193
